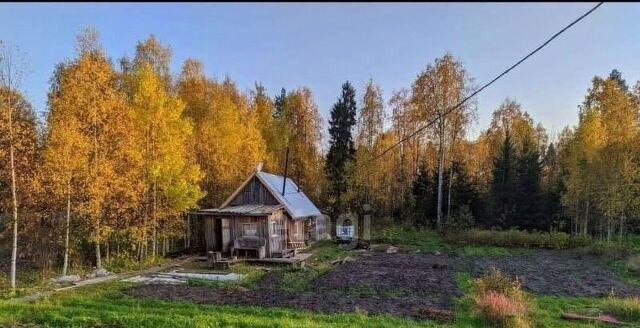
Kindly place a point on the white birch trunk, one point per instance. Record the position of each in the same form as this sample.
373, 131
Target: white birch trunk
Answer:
65, 264
14, 194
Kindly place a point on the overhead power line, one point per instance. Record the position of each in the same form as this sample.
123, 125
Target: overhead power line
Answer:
451, 109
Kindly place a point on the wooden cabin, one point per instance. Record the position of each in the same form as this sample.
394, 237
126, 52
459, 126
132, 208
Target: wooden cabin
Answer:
265, 217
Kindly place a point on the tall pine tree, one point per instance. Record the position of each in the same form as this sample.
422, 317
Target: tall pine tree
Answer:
341, 149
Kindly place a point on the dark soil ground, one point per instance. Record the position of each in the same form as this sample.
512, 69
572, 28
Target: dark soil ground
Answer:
557, 273
395, 284
406, 285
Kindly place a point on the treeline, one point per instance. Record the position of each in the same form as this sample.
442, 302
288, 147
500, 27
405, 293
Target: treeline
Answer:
126, 147
513, 175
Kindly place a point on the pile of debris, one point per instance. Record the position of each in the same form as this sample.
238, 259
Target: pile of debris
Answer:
175, 277
73, 279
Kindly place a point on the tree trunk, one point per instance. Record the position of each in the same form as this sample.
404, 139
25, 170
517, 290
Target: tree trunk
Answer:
95, 175
586, 220
621, 232
164, 246
65, 264
154, 242
440, 175
449, 192
14, 198
98, 257
107, 246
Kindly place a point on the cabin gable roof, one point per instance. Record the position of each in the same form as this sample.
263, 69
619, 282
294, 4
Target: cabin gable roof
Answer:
294, 201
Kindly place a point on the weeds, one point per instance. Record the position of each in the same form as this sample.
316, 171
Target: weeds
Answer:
633, 264
516, 238
501, 302
123, 263
408, 238
627, 309
297, 280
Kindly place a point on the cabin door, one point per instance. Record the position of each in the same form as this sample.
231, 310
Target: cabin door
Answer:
275, 235
225, 235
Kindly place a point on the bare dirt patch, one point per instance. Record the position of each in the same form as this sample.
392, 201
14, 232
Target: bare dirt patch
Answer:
558, 273
393, 284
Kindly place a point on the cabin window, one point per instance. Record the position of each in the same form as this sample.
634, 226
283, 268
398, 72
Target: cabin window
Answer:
277, 227
297, 230
249, 229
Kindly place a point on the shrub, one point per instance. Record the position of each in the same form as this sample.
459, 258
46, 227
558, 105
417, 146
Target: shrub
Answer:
633, 264
500, 301
627, 309
123, 263
494, 281
463, 220
500, 310
612, 251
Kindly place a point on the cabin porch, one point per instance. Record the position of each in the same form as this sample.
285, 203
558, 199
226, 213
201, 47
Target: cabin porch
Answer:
257, 233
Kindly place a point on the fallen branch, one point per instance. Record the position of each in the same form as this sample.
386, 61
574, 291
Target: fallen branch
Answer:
601, 318
436, 314
343, 261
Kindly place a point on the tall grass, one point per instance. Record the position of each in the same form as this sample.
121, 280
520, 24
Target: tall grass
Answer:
517, 238
627, 309
407, 237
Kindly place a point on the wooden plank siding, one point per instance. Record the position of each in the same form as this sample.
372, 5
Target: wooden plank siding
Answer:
254, 193
296, 230
278, 232
209, 233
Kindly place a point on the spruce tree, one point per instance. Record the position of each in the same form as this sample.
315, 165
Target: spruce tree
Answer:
463, 191
279, 104
503, 184
528, 193
341, 149
421, 194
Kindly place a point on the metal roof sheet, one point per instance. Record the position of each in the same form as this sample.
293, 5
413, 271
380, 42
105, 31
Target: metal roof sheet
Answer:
295, 201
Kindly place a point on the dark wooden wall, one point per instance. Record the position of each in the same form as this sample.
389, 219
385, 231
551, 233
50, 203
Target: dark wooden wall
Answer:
231, 228
254, 193
209, 233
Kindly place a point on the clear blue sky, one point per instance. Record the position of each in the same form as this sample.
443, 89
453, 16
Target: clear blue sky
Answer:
322, 45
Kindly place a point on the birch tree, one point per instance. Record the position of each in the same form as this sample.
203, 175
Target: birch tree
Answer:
435, 90
226, 141
172, 177
12, 70
63, 142
87, 91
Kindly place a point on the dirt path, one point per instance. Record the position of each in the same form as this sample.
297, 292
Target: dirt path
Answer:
99, 280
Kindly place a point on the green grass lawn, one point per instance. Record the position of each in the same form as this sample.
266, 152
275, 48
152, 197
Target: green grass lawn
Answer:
106, 305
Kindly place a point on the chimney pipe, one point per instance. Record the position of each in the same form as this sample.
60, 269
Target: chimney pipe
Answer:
286, 167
